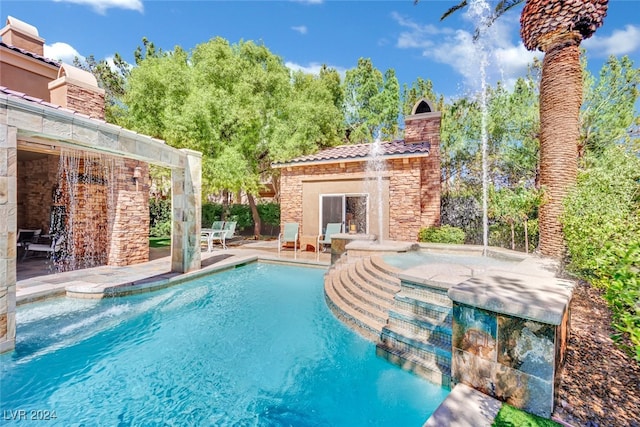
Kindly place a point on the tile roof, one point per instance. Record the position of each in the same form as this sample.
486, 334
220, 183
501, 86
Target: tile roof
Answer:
356, 152
15, 94
31, 54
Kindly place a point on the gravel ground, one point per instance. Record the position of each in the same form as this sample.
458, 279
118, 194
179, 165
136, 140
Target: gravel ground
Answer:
600, 384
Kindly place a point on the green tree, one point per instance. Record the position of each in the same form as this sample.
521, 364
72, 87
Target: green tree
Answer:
608, 111
557, 28
371, 102
419, 89
237, 104
387, 105
110, 78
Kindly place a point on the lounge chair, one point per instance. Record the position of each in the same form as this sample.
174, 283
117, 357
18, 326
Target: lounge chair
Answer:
289, 235
52, 250
25, 237
325, 239
227, 233
207, 233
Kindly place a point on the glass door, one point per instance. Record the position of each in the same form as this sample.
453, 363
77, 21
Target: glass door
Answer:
351, 210
331, 210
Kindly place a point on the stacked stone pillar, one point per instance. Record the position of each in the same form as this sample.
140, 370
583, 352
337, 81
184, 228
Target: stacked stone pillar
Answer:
186, 206
8, 230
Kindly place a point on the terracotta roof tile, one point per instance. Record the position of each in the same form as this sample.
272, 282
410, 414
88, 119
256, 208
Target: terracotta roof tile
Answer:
31, 54
359, 152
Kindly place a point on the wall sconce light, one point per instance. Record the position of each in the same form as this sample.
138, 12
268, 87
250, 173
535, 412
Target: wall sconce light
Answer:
137, 174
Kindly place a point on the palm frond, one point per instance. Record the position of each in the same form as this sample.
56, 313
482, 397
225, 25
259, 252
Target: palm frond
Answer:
453, 9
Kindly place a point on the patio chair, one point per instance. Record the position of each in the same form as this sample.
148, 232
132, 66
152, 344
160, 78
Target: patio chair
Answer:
207, 233
325, 239
289, 235
52, 250
227, 233
27, 236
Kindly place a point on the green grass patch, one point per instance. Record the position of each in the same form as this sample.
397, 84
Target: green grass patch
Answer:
159, 242
508, 416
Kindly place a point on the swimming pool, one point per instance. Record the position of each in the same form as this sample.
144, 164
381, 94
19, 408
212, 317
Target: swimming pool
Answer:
254, 346
415, 258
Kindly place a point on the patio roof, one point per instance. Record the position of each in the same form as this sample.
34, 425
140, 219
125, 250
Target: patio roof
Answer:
359, 153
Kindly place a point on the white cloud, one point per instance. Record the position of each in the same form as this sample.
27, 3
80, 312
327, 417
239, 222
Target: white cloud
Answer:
620, 42
308, 1
302, 29
314, 68
504, 60
101, 6
61, 52
416, 36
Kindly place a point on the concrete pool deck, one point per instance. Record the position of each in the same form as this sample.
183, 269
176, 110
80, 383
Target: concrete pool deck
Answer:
107, 281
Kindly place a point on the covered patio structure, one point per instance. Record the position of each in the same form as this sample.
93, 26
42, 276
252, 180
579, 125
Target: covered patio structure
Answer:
32, 125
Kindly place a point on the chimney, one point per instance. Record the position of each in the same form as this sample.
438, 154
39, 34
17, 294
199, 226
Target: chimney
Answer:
22, 35
423, 125
77, 90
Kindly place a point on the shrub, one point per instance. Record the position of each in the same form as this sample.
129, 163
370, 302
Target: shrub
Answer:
601, 224
269, 214
442, 234
211, 212
159, 217
462, 211
500, 235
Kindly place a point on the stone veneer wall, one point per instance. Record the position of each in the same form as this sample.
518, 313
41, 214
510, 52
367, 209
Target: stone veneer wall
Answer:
426, 128
412, 202
110, 220
129, 231
36, 180
513, 359
86, 101
8, 210
78, 97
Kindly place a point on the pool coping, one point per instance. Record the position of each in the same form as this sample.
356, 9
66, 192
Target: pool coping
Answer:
114, 281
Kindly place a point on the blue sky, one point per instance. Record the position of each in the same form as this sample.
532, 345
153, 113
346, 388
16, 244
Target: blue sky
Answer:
307, 33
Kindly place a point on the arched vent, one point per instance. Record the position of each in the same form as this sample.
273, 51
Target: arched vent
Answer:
422, 106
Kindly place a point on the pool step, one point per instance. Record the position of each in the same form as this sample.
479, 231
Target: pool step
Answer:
409, 322
360, 293
417, 336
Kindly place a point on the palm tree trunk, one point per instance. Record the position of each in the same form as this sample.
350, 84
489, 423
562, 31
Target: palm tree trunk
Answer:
560, 100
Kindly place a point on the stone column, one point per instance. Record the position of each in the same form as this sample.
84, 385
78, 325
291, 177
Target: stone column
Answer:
186, 207
8, 225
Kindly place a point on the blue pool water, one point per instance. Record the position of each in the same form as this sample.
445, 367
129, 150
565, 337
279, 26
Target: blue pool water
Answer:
254, 346
415, 258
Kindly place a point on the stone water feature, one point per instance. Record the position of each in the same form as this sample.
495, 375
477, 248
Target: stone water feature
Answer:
497, 323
